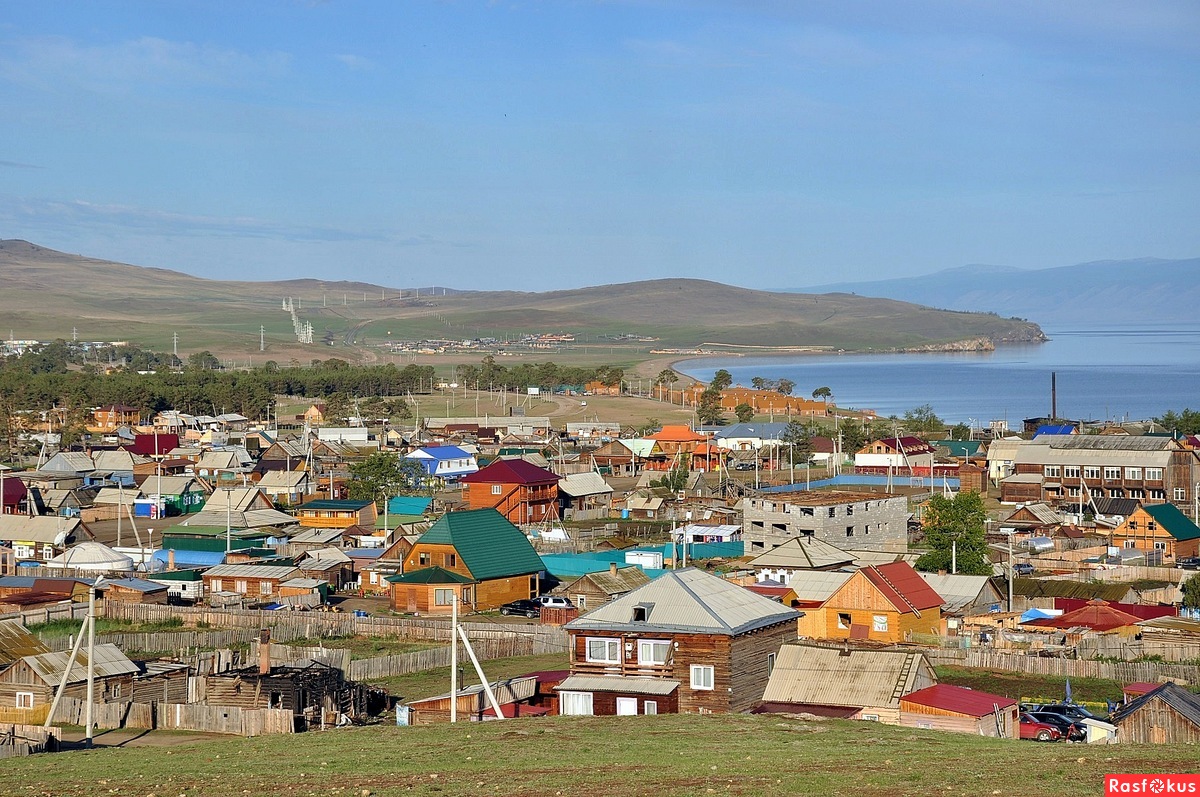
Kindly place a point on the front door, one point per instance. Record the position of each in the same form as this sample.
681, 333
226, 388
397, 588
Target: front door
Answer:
626, 706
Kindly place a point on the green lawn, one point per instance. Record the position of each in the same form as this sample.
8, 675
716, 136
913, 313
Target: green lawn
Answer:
361, 647
1034, 688
105, 625
665, 756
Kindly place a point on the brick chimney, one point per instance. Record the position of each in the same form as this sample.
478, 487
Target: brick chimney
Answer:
612, 568
264, 651
170, 558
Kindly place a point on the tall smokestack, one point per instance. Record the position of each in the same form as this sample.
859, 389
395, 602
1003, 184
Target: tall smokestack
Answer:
1053, 396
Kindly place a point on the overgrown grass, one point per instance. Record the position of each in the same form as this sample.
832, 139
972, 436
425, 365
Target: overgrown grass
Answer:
665, 755
428, 683
1033, 688
61, 628
366, 647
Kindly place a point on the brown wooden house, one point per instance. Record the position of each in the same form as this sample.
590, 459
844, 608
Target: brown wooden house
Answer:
484, 547
31, 681
880, 603
324, 513
956, 708
596, 589
1159, 527
520, 491
1168, 714
430, 590
256, 582
687, 642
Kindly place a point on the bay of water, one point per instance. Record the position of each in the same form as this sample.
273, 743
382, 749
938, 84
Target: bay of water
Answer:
1104, 372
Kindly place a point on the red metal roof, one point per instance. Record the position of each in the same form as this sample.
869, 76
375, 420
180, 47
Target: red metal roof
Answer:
1142, 611
511, 471
150, 445
1096, 615
902, 586
1140, 688
511, 710
958, 699
676, 433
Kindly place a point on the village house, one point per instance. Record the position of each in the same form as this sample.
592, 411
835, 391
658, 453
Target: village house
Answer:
799, 553
900, 456
40, 537
955, 708
444, 465
678, 443
107, 419
687, 642
287, 487
873, 521
32, 680
324, 513
1160, 528
596, 589
482, 546
521, 492
255, 582
885, 603
1168, 714
584, 496
430, 590
845, 682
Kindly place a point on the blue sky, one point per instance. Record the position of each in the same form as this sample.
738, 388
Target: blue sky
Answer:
543, 145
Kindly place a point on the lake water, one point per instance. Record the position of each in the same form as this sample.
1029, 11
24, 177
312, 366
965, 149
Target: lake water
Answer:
1121, 373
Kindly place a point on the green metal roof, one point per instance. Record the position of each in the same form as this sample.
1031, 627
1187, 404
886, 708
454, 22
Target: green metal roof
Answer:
488, 544
429, 575
1174, 522
334, 505
960, 448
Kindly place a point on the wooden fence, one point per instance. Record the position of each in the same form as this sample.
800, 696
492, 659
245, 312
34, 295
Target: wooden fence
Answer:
1123, 671
64, 611
179, 716
288, 626
21, 740
175, 642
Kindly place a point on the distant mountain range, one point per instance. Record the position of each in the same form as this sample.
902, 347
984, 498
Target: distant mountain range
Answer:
1148, 290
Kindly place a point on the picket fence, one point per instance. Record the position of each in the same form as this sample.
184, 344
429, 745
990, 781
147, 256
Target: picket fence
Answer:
1123, 671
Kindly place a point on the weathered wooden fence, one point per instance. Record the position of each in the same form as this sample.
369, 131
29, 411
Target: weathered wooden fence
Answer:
22, 740
164, 641
1124, 671
178, 716
64, 611
287, 626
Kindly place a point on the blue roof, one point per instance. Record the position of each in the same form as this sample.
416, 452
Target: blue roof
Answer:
409, 505
765, 431
444, 452
1055, 428
188, 558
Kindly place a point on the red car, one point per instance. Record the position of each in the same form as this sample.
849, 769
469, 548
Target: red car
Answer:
1039, 731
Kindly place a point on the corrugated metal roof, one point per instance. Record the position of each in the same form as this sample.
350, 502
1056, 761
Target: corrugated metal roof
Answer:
626, 579
109, 661
16, 642
1177, 524
803, 553
1175, 696
283, 572
579, 484
959, 699
957, 591
511, 471
42, 528
902, 586
618, 683
488, 544
817, 585
687, 601
805, 674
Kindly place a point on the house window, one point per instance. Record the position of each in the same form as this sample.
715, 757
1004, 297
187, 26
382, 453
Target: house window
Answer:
650, 707
603, 650
1133, 525
871, 717
443, 597
653, 651
1091, 472
24, 699
496, 490
770, 663
849, 511
47, 551
1160, 546
577, 704
843, 620
1050, 470
1137, 493
1130, 544
450, 559
264, 588
424, 559
833, 511
1112, 474
1133, 474
1180, 494
580, 601
849, 531
702, 676
216, 585
1071, 471
1153, 474
879, 623
241, 585
1151, 525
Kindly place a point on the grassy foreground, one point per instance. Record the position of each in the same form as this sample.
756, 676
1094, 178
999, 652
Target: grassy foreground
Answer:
616, 757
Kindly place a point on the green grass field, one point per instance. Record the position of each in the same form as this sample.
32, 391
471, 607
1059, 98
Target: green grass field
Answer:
615, 757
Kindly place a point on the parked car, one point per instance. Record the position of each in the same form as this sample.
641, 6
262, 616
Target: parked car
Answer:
1069, 710
1038, 731
1022, 569
1067, 727
524, 607
1189, 563
554, 602
744, 466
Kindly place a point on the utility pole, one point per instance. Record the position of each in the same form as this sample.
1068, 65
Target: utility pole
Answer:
262, 338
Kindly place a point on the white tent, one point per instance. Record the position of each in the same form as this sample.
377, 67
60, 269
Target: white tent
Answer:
91, 557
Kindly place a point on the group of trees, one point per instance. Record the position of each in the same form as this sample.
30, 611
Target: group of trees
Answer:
1185, 422
489, 375
781, 386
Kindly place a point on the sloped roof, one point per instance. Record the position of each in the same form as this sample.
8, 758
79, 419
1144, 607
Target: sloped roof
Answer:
1175, 696
815, 586
676, 433
958, 699
41, 528
1116, 506
511, 471
116, 496
911, 445
408, 505
580, 484
334, 505
1174, 522
282, 479
119, 460
108, 661
630, 684
902, 586
805, 674
640, 447
1096, 615
137, 584
957, 591
1054, 429
804, 553
429, 575
69, 462
1053, 588
687, 601
489, 546
438, 452
626, 579
283, 572
173, 485
17, 641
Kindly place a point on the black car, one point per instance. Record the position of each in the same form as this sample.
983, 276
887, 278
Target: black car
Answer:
1069, 710
1189, 563
524, 607
1070, 731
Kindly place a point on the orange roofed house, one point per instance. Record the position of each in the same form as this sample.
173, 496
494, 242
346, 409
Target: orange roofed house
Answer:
678, 443
883, 603
519, 490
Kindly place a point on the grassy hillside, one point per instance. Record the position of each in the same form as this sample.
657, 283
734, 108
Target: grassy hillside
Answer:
46, 294
615, 757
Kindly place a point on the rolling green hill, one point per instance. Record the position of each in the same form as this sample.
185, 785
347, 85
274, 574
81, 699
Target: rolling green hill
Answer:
47, 294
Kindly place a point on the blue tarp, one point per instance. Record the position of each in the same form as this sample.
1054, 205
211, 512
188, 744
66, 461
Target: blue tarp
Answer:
1038, 614
186, 558
408, 505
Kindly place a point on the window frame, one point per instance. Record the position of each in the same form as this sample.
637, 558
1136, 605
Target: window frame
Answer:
609, 643
707, 677
664, 644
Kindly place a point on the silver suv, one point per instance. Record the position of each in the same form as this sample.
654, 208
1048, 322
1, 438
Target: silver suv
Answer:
554, 602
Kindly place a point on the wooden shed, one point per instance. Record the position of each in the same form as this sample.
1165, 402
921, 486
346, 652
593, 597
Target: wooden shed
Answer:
1169, 714
30, 682
956, 708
